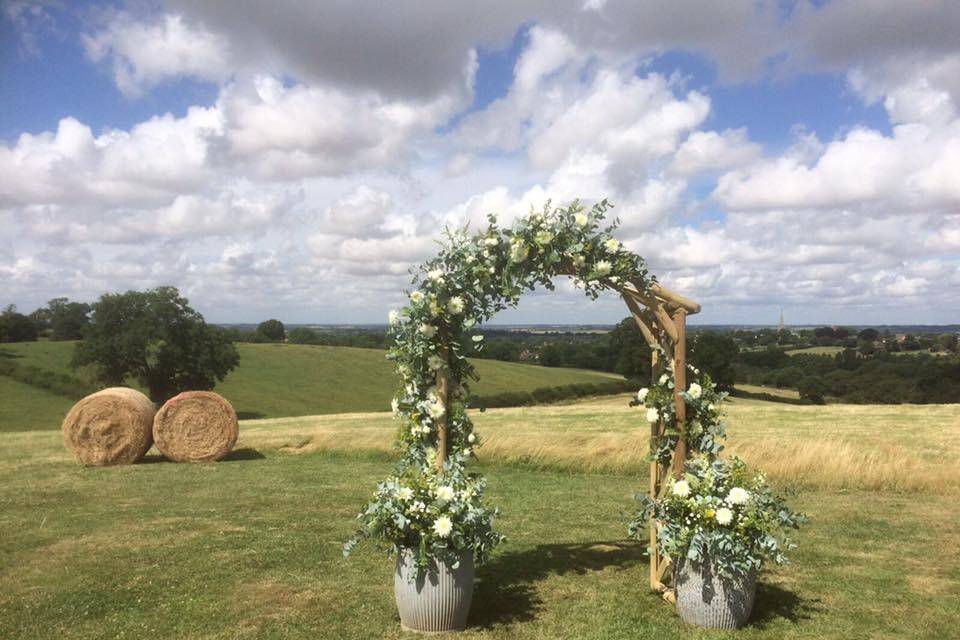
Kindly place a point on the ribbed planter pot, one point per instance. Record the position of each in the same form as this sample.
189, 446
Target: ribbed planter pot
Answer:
706, 600
439, 600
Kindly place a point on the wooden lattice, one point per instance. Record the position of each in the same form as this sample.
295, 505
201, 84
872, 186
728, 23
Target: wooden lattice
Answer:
662, 319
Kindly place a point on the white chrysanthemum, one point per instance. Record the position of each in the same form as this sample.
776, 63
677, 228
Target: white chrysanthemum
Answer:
738, 495
435, 362
416, 297
442, 526
394, 317
642, 394
444, 493
664, 378
581, 219
612, 245
681, 488
492, 241
695, 390
603, 267
724, 516
435, 409
471, 438
405, 493
428, 330
455, 305
652, 415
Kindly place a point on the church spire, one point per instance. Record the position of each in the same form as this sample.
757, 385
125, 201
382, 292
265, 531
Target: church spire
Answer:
780, 327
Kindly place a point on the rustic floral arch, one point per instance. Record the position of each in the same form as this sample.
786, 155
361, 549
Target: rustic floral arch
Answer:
477, 275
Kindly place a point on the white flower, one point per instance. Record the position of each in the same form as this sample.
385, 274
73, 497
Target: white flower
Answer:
493, 270
467, 452
652, 415
738, 495
435, 274
710, 407
442, 526
471, 438
602, 267
435, 409
519, 251
418, 506
492, 241
581, 219
435, 362
394, 317
695, 390
405, 493
428, 330
681, 488
612, 245
642, 394
664, 378
395, 406
579, 261
416, 297
724, 516
544, 237
455, 305
444, 493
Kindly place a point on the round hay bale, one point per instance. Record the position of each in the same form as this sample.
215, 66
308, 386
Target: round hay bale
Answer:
196, 426
112, 426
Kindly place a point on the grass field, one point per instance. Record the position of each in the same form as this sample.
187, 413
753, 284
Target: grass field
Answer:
774, 391
250, 547
276, 380
816, 351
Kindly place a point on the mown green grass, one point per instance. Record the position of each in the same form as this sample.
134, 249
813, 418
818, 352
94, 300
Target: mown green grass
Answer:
816, 351
250, 548
278, 380
26, 408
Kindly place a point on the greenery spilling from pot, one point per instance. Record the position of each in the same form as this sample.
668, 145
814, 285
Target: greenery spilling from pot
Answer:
472, 278
720, 511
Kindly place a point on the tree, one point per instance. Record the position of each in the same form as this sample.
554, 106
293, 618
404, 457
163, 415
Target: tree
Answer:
948, 342
866, 347
273, 330
303, 335
714, 353
67, 319
156, 338
16, 327
869, 334
813, 388
630, 350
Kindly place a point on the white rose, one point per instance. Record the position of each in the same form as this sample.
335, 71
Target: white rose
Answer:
435, 274
492, 241
724, 516
544, 237
664, 378
603, 267
642, 394
581, 219
695, 390
442, 526
579, 261
519, 252
652, 415
416, 297
455, 305
428, 330
681, 488
738, 495
445, 493
612, 245
471, 438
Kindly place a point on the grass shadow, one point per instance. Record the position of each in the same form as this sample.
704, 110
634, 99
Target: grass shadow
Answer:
505, 592
774, 603
250, 415
237, 455
5, 353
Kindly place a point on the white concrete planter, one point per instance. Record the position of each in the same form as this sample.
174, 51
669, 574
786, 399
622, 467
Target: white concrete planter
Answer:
704, 599
439, 600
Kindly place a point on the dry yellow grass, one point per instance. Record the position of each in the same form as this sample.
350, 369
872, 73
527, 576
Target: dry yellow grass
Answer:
874, 447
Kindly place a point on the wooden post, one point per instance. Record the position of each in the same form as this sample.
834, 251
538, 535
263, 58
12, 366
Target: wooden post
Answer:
655, 368
443, 393
680, 384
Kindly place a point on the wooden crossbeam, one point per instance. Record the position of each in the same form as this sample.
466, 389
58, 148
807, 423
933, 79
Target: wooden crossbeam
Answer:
674, 298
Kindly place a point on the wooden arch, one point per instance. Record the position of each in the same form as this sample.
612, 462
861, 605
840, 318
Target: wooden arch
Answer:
661, 316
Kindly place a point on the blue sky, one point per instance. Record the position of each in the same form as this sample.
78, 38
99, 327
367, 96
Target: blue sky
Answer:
771, 155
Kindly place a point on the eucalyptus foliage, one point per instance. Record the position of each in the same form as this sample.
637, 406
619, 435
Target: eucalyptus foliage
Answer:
723, 513
473, 277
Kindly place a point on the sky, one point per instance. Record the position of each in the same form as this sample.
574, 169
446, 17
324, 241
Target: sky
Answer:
294, 160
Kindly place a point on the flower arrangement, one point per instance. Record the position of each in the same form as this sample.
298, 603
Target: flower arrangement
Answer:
472, 278
723, 511
705, 427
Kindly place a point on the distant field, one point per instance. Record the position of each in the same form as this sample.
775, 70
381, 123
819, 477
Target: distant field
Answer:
817, 351
774, 391
275, 380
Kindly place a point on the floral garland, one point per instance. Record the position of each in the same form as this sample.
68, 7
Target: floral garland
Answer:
467, 283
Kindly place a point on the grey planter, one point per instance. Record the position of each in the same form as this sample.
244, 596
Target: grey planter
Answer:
439, 600
706, 600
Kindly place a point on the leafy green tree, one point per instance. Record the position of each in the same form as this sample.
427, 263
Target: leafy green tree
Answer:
714, 353
303, 335
68, 319
866, 347
16, 327
813, 388
869, 334
273, 330
948, 342
156, 338
630, 350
